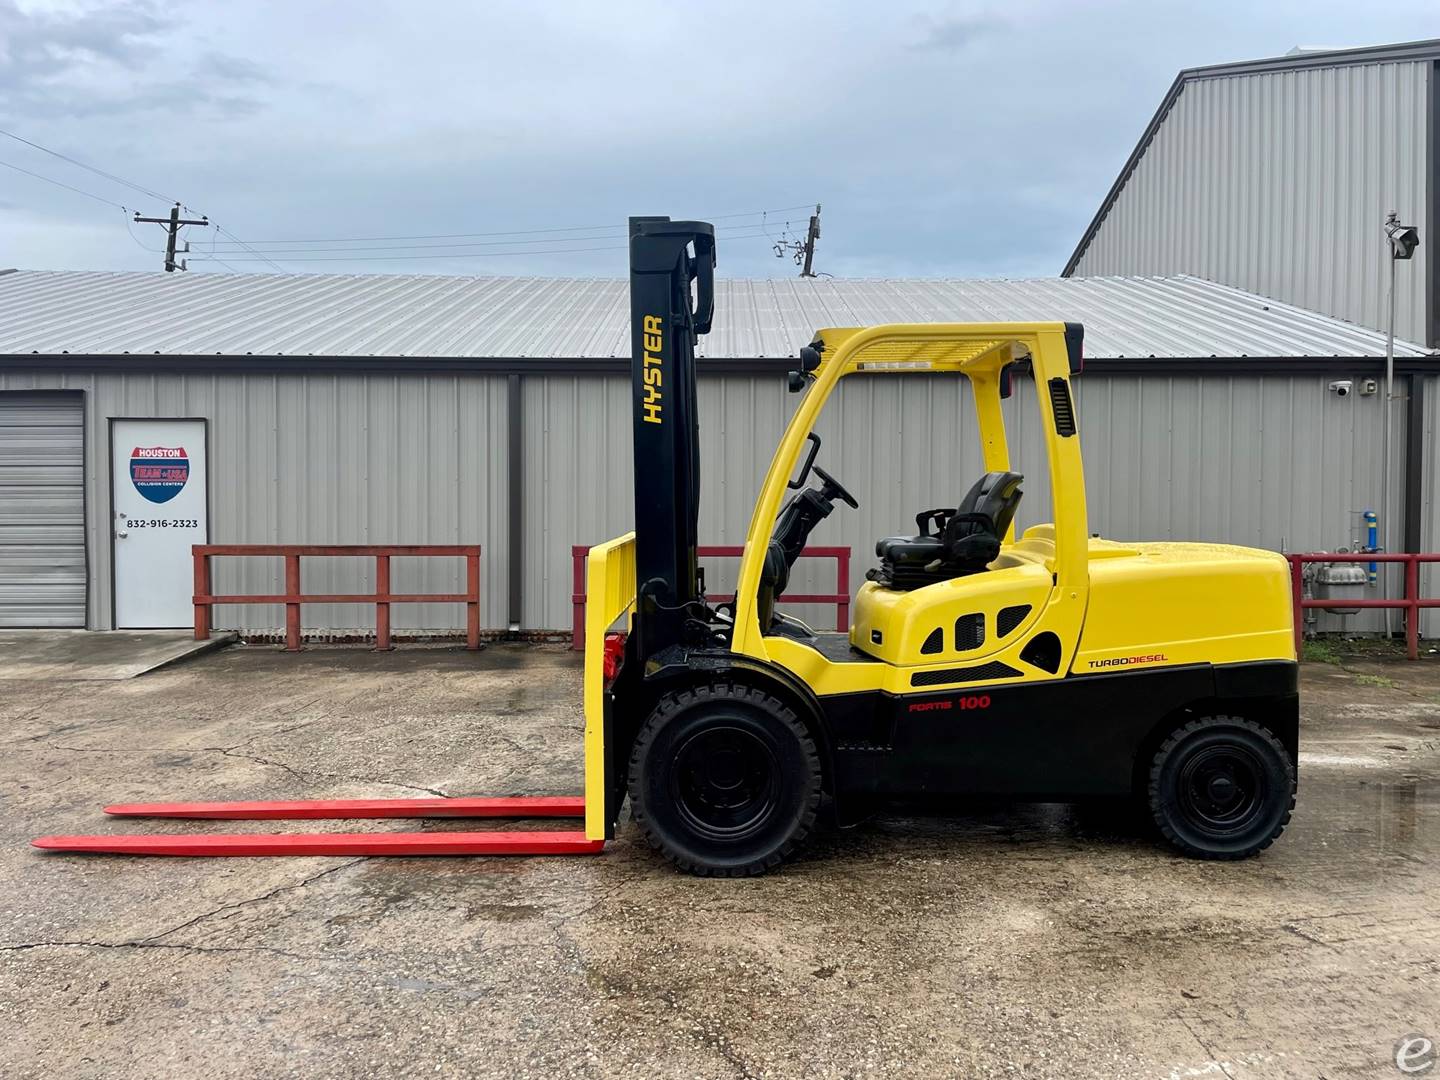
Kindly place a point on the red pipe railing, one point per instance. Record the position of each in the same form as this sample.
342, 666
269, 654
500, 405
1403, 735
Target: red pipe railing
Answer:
382, 597
840, 597
1412, 603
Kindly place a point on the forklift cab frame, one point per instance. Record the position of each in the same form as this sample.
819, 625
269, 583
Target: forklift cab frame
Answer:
1051, 566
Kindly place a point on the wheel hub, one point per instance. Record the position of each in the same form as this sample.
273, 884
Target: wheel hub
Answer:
1221, 788
725, 782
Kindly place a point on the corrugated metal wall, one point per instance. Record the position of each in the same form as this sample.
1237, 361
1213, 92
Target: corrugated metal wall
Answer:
1268, 461
1278, 183
322, 460
42, 510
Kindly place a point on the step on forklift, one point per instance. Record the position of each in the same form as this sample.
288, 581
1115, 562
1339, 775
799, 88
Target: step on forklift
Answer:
1052, 666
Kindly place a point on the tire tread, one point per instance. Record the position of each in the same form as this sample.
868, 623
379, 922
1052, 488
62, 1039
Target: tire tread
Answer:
676, 701
1157, 766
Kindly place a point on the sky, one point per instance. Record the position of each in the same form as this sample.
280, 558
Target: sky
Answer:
965, 139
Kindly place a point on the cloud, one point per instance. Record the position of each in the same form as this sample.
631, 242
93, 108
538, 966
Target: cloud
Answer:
944, 137
43, 45
954, 34
233, 69
113, 60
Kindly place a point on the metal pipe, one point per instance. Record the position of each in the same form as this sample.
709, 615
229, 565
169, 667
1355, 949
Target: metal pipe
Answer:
1385, 424
1372, 542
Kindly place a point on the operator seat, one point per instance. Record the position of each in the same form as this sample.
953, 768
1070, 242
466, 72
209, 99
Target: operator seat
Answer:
966, 539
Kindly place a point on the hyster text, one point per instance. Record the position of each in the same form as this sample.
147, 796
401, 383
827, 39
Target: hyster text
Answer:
654, 345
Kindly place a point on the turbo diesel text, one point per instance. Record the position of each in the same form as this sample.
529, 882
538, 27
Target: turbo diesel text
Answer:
1126, 661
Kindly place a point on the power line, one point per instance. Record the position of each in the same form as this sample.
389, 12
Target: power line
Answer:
247, 247
118, 180
446, 255
140, 243
443, 255
738, 232
554, 235
618, 230
803, 251
68, 187
612, 227
91, 168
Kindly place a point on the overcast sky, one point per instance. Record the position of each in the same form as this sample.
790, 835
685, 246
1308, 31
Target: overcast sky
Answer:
943, 139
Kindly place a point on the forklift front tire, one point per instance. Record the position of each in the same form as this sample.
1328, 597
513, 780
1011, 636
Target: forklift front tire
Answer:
724, 780
1221, 787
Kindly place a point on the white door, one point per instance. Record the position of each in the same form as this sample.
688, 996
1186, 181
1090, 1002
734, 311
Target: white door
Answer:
158, 476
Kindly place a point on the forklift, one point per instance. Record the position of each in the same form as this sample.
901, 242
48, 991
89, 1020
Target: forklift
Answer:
1052, 666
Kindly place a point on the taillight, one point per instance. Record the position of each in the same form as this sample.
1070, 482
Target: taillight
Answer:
614, 655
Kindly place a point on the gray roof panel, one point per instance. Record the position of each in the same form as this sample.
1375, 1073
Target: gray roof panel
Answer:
81, 312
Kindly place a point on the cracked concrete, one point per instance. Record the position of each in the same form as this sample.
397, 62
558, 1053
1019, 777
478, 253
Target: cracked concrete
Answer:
1008, 941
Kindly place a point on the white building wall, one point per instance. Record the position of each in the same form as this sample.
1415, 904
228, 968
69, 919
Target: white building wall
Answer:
1278, 182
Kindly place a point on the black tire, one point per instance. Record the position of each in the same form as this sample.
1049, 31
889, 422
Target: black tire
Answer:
724, 780
1221, 787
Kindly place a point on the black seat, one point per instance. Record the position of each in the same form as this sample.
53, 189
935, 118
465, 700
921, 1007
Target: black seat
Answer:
966, 539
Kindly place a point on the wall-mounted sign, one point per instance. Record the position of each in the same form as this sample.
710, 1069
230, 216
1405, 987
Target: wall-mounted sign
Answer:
159, 473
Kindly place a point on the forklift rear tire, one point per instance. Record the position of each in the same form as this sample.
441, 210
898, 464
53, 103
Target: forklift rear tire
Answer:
724, 780
1221, 787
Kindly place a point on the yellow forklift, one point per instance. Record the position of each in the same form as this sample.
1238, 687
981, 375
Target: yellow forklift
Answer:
1050, 666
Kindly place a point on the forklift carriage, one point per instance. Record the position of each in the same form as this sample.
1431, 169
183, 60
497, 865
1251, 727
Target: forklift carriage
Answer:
1050, 666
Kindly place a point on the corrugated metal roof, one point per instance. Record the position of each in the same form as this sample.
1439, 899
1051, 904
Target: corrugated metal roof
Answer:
395, 315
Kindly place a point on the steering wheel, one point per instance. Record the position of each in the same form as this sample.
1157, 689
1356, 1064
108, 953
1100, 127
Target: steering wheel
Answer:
833, 487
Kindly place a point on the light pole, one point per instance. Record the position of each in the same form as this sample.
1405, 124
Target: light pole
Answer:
1402, 240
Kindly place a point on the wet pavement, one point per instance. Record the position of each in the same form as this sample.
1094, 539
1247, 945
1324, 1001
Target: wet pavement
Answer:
1045, 941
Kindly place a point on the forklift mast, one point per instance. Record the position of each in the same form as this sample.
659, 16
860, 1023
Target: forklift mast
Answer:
666, 257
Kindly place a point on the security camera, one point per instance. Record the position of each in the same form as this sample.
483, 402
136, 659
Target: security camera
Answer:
1341, 387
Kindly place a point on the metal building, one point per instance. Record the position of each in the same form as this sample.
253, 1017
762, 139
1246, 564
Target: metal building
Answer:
441, 410
1275, 175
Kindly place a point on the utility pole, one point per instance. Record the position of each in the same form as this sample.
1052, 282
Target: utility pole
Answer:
810, 237
803, 252
172, 228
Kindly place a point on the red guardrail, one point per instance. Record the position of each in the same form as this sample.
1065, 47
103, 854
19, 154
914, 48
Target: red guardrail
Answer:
840, 597
382, 597
1412, 602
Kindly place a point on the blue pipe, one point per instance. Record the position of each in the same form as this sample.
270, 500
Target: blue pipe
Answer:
1372, 536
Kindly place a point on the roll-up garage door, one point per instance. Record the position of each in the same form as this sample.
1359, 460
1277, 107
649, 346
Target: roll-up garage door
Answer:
42, 510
